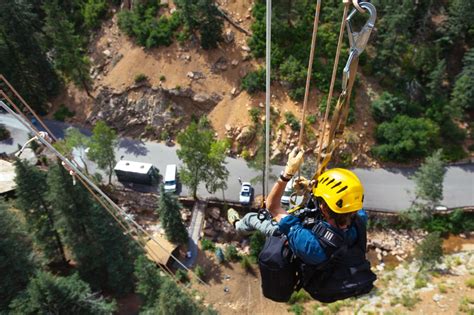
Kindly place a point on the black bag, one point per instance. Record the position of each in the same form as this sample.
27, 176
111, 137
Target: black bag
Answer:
345, 274
278, 269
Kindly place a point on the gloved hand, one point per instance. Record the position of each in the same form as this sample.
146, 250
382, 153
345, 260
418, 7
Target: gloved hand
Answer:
295, 159
300, 185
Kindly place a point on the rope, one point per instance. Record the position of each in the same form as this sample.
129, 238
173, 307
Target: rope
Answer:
331, 88
310, 70
267, 94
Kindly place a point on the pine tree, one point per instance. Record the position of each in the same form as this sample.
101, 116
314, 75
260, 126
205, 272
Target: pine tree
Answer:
149, 280
102, 148
462, 97
68, 55
429, 180
49, 294
22, 60
31, 189
16, 264
104, 255
168, 210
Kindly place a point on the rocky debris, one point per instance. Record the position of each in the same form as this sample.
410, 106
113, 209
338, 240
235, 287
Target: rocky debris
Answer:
136, 202
115, 59
245, 48
216, 226
246, 135
107, 53
195, 75
215, 213
229, 36
234, 63
396, 243
220, 65
235, 91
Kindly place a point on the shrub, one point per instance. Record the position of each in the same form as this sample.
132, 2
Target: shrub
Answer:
182, 276
162, 78
254, 113
207, 245
430, 250
421, 281
387, 106
231, 253
199, 271
405, 138
299, 296
62, 113
94, 11
470, 283
292, 121
298, 309
4, 133
139, 78
311, 119
246, 264
254, 82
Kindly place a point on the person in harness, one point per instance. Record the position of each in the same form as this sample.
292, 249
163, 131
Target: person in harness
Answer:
326, 255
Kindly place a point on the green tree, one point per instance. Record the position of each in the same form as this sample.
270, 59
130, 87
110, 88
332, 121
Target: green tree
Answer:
101, 148
254, 81
74, 139
203, 157
22, 60
68, 54
173, 300
16, 264
149, 280
387, 106
405, 138
170, 217
429, 179
94, 11
430, 250
462, 96
49, 294
104, 255
31, 190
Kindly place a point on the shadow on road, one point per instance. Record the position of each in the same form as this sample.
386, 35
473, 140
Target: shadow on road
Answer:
135, 147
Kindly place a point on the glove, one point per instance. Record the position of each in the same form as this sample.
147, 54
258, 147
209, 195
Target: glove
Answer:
295, 159
300, 184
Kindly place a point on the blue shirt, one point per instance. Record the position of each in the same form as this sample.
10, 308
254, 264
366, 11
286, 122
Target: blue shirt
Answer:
305, 244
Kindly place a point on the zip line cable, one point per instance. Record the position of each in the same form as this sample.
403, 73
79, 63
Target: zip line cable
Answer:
84, 179
267, 94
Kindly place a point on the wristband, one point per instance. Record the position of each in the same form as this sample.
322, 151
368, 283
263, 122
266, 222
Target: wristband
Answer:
284, 178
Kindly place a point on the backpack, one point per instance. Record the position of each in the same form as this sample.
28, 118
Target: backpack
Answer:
345, 274
278, 269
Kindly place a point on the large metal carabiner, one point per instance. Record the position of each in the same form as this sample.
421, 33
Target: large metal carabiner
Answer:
358, 40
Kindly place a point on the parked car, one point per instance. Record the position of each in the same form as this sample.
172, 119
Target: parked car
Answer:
170, 178
246, 194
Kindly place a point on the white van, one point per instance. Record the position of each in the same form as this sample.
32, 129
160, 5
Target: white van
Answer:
170, 178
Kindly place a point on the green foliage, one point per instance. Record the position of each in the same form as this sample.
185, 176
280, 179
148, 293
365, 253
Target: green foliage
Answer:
202, 16
246, 264
387, 106
173, 300
299, 296
405, 138
170, 217
49, 294
31, 190
182, 276
4, 133
465, 305
149, 280
462, 95
68, 56
16, 264
254, 81
231, 253
254, 113
162, 78
94, 11
62, 113
203, 158
139, 78
430, 250
292, 121
102, 148
469, 283
429, 179
148, 30
200, 272
421, 280
311, 119
207, 245
297, 309
103, 254
20, 40
257, 240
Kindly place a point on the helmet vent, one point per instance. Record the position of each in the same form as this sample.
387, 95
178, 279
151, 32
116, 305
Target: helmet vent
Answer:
339, 203
342, 189
336, 185
324, 179
328, 183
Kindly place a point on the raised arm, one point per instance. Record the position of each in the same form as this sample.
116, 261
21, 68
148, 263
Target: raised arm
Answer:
295, 159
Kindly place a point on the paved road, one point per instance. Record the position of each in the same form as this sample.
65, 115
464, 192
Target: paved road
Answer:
386, 189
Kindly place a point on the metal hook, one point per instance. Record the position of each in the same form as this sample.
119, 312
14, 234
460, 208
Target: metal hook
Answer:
356, 5
358, 40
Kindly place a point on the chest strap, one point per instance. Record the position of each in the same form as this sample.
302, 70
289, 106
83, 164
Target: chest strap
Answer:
327, 236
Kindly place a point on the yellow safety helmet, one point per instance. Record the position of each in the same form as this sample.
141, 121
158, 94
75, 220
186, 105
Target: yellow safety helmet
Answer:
341, 189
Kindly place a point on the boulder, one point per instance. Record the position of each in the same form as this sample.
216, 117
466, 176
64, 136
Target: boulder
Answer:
246, 135
229, 36
220, 65
215, 213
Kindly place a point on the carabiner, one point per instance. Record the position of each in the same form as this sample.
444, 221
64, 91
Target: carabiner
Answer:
358, 40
